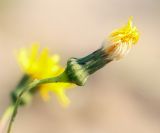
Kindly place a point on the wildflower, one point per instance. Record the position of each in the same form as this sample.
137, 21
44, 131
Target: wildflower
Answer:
44, 74
116, 46
40, 65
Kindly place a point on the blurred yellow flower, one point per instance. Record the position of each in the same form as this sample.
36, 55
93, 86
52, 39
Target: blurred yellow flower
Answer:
39, 65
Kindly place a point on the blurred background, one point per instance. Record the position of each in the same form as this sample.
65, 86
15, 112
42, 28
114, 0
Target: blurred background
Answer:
123, 97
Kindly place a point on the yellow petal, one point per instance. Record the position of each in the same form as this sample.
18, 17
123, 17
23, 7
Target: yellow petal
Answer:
23, 59
61, 96
33, 53
58, 89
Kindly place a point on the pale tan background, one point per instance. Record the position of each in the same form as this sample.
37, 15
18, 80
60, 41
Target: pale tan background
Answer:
123, 97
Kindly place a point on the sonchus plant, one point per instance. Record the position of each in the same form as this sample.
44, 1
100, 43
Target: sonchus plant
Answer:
43, 74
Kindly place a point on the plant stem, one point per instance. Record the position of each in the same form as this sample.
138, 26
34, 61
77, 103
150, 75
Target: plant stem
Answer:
61, 78
26, 89
7, 114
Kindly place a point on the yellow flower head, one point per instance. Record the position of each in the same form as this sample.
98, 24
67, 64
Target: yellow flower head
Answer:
40, 65
126, 34
121, 40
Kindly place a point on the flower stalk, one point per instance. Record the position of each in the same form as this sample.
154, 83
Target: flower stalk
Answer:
6, 116
42, 70
61, 78
77, 72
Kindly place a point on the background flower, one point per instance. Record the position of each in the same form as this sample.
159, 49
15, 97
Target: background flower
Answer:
40, 65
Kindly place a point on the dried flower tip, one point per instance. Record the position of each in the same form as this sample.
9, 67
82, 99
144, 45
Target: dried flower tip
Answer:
121, 40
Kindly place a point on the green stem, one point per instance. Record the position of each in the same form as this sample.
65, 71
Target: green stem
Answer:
7, 114
62, 78
26, 89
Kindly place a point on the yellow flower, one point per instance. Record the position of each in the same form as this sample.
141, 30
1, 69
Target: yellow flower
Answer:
121, 40
126, 34
40, 65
